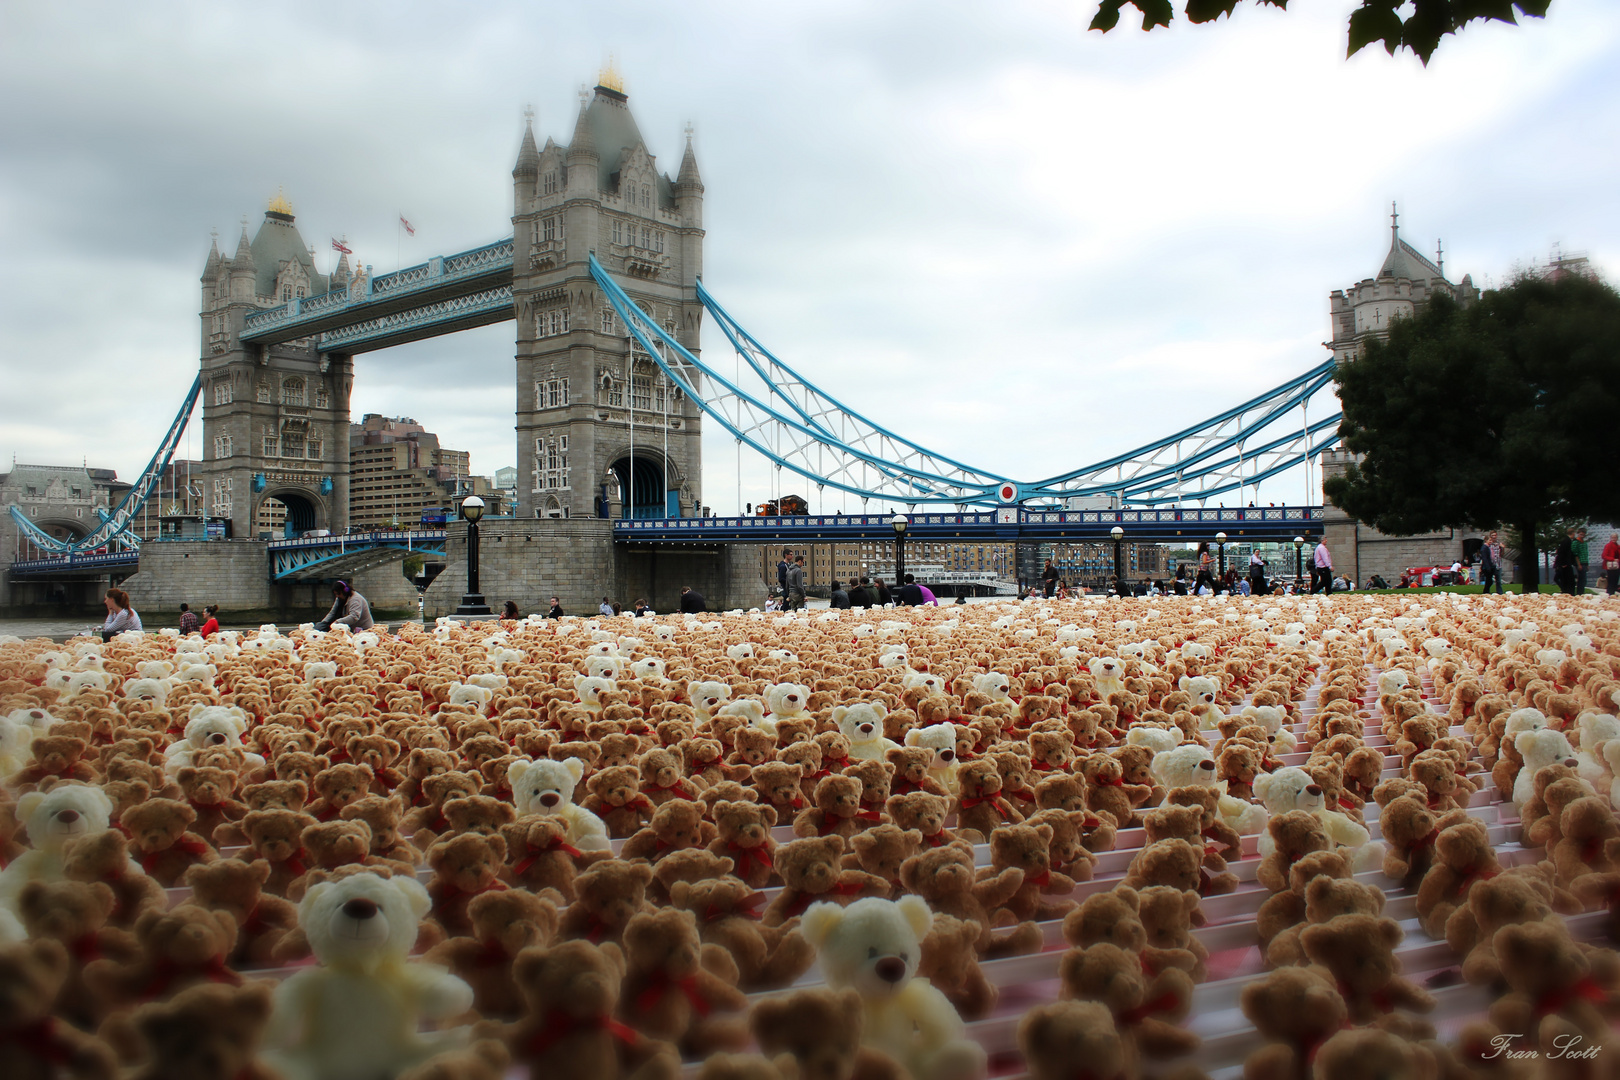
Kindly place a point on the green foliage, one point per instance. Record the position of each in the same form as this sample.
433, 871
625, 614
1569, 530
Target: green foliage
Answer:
1470, 417
413, 566
1377, 21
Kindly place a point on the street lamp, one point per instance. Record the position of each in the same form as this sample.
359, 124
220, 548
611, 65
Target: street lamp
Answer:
472, 602
1220, 541
1299, 562
1117, 533
899, 523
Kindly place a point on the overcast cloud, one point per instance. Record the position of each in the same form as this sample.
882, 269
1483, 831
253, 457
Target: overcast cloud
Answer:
1021, 244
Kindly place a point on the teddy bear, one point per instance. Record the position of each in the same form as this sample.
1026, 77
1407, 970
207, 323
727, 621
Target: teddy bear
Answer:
276, 837
606, 895
881, 850
1167, 917
1107, 792
812, 868
816, 1034
768, 957
336, 786
569, 1030
1238, 766
950, 962
76, 914
675, 825
34, 973
210, 792
923, 812
1053, 1038
1293, 834
1409, 831
1553, 788
1296, 1010
50, 819
159, 829
359, 1012
210, 726
980, 808
1181, 822
383, 816
1359, 951
503, 924
204, 1030
58, 757
1589, 840
1325, 898
464, 866
862, 724
753, 746
539, 855
104, 857
663, 777
185, 945
262, 920
939, 741
946, 879
1551, 992
1148, 1011
911, 771
670, 992
778, 785
1292, 788
615, 797
1462, 856
1028, 847
1509, 898
547, 787
1437, 771
744, 835
836, 810
876, 778
874, 947
420, 763
1538, 749
1375, 1051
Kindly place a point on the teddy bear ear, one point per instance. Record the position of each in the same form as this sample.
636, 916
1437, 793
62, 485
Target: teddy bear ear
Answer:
839, 712
918, 915
769, 814
415, 894
575, 767
820, 920
1044, 831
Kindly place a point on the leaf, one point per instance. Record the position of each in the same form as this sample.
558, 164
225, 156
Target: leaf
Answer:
1155, 12
1375, 20
1107, 16
1202, 11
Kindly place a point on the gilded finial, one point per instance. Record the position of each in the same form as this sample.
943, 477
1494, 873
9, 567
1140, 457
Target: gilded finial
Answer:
609, 78
528, 114
279, 204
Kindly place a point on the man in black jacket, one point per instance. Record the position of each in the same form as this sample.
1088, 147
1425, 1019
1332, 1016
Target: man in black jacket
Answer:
556, 611
861, 593
840, 598
911, 594
692, 602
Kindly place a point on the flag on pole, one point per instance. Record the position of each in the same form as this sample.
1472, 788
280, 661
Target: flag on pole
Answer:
338, 245
408, 227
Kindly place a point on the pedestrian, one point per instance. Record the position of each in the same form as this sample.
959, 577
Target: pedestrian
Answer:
1049, 578
910, 593
782, 571
642, 611
1564, 563
510, 611
928, 596
188, 620
1257, 573
349, 609
839, 600
1582, 558
884, 599
1611, 563
861, 593
1490, 563
210, 625
795, 584
1206, 563
692, 602
120, 616
1322, 563
605, 607
556, 611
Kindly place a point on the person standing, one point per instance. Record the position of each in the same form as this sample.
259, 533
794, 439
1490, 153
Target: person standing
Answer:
1491, 562
188, 620
910, 593
839, 600
1583, 557
861, 593
1564, 563
1049, 579
692, 602
120, 616
1206, 562
883, 598
1611, 563
348, 608
782, 569
1257, 573
1322, 560
556, 611
795, 584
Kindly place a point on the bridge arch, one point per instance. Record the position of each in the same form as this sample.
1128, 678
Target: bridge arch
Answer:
657, 482
287, 512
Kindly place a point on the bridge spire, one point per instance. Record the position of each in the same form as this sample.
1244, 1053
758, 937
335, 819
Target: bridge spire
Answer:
528, 160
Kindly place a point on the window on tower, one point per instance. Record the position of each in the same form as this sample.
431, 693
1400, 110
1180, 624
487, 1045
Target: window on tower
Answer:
222, 392
618, 231
549, 184
292, 392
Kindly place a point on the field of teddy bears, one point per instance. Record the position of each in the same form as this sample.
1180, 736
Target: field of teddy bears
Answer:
1340, 837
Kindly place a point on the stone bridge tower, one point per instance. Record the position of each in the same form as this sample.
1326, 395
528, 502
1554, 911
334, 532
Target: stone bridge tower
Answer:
275, 418
596, 419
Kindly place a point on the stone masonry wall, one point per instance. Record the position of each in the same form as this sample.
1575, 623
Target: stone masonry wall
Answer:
231, 573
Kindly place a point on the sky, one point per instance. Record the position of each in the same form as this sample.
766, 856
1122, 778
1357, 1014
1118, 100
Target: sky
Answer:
1019, 243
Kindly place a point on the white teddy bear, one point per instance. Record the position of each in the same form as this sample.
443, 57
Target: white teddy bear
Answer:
547, 787
1108, 673
155, 690
1192, 765
1596, 729
874, 946
1292, 788
358, 1014
1203, 690
320, 669
650, 670
50, 819
208, 726
1539, 749
786, 702
605, 667
862, 725
489, 680
470, 694
707, 697
588, 687
1274, 719
941, 739
926, 681
752, 710
993, 684
744, 651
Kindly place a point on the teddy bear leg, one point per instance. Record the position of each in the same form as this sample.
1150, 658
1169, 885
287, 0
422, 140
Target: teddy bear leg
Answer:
1022, 941
718, 961
1047, 910
958, 1060
791, 958
1285, 949
1160, 1039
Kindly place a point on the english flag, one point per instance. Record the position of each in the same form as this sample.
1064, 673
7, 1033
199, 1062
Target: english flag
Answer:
407, 225
338, 245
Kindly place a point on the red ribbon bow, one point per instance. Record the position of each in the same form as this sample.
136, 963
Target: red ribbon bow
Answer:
873, 816
994, 800
1041, 766
1478, 874
743, 910
85, 948
533, 854
678, 787
166, 971
1042, 880
1556, 1000
560, 1025
39, 1039
935, 839
760, 854
662, 984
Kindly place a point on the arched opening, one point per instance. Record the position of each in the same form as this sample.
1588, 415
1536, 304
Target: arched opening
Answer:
286, 515
643, 490
60, 530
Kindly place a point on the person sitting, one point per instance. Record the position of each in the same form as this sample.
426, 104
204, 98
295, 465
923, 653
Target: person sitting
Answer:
641, 609
212, 623
188, 620
605, 607
510, 611
120, 616
910, 594
839, 600
556, 611
692, 602
349, 609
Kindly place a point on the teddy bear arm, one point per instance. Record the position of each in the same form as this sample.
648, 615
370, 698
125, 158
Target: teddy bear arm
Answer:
994, 892
1058, 885
438, 993
1158, 1038
719, 988
1274, 1061
808, 823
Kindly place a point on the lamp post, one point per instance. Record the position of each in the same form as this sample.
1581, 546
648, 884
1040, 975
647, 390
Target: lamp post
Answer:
472, 602
1299, 562
1118, 534
1220, 543
899, 524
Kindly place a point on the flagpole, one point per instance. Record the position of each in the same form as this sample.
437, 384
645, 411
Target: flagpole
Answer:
399, 241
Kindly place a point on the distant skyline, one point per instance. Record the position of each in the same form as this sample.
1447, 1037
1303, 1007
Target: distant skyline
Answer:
1021, 244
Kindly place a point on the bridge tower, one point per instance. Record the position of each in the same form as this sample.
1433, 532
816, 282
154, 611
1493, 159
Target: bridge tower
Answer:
598, 425
275, 417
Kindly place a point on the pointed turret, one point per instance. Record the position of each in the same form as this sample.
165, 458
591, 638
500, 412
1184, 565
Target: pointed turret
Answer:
528, 159
526, 173
689, 187
583, 143
244, 254
689, 177
242, 271
211, 267
341, 273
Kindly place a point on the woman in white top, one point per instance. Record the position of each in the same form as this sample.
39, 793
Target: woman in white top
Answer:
120, 616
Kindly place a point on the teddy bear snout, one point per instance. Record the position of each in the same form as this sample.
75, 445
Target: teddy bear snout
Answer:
1207, 765
947, 755
550, 798
1313, 789
890, 969
67, 817
216, 739
360, 908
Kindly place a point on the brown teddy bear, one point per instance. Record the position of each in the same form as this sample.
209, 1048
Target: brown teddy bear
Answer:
1238, 764
276, 837
676, 825
211, 793
1374, 1051
104, 857
615, 797
504, 924
76, 914
421, 763
1051, 752
1437, 771
836, 810
924, 812
1147, 1012
1409, 830
336, 786
160, 830
262, 921
1325, 898
55, 758
1168, 917
1287, 908
1221, 841
881, 850
1462, 856
477, 813
34, 973
778, 786
1589, 841
806, 754
946, 878
875, 777
752, 747
1015, 781
1028, 847
744, 836
335, 844
663, 777
950, 963
691, 865
980, 808
221, 1026
377, 754
1294, 835
1176, 863
539, 855
1296, 1010
383, 816
606, 895
812, 869
1107, 793
1180, 822
1511, 897
464, 866
185, 945
426, 823
767, 957
1554, 787
670, 993
1069, 854
911, 771
1359, 951
1551, 992
1055, 1038
819, 1031
569, 1030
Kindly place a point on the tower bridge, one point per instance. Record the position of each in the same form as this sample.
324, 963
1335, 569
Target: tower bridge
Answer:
601, 277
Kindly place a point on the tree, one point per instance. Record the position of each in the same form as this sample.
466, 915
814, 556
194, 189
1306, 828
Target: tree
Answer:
1488, 415
1374, 20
